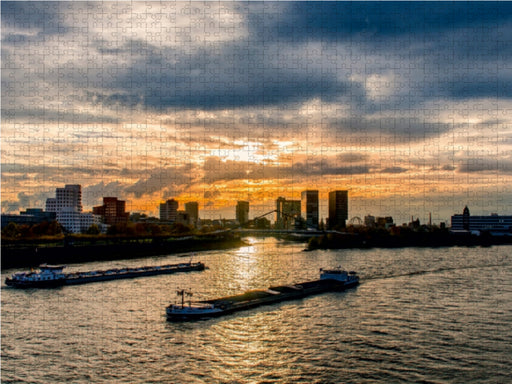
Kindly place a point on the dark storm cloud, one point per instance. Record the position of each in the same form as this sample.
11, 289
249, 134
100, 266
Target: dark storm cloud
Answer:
44, 17
38, 115
338, 21
295, 52
450, 50
468, 39
230, 76
483, 86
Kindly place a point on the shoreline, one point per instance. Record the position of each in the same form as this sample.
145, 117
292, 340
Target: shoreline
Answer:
123, 248
417, 239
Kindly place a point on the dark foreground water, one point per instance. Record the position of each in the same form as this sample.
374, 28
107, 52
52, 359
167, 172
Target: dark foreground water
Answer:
420, 315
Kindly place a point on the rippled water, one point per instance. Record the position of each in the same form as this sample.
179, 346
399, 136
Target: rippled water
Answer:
419, 315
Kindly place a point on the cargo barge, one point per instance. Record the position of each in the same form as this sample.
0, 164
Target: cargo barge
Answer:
53, 276
330, 280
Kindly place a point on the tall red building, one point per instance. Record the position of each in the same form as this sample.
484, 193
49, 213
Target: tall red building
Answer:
112, 210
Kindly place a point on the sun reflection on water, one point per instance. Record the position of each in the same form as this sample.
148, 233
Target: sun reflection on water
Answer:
246, 265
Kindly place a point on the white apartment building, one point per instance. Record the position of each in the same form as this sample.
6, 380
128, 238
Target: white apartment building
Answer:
67, 204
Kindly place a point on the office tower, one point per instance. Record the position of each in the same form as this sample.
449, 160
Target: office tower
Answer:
192, 208
338, 209
169, 210
112, 211
309, 208
287, 211
68, 199
242, 212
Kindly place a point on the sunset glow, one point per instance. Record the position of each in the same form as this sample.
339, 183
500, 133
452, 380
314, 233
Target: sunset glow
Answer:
219, 102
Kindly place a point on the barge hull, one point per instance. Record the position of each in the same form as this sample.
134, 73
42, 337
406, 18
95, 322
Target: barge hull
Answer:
87, 277
273, 295
130, 275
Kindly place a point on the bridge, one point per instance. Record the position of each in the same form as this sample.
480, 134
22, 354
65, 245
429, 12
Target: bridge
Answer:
293, 234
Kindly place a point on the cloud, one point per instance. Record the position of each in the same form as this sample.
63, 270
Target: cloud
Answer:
42, 17
176, 180
410, 128
475, 165
40, 115
226, 77
216, 170
25, 200
212, 194
351, 157
394, 170
92, 195
278, 55
369, 21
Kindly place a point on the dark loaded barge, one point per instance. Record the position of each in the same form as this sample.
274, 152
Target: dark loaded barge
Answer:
330, 280
52, 275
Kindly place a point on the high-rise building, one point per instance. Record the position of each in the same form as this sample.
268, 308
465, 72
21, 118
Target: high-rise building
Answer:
169, 210
309, 208
67, 205
338, 209
286, 212
242, 212
192, 208
68, 198
112, 211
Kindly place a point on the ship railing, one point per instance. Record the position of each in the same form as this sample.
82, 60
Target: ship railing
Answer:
193, 305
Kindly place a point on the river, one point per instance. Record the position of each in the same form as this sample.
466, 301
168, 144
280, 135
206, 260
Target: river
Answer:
428, 315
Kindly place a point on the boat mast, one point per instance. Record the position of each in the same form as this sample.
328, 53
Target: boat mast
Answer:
182, 293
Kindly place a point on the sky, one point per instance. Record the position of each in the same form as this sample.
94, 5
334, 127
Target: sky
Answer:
408, 106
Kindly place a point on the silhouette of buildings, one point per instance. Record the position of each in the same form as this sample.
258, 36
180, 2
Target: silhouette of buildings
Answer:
30, 217
492, 223
287, 211
369, 221
338, 209
192, 209
182, 217
242, 212
309, 208
112, 211
384, 222
169, 211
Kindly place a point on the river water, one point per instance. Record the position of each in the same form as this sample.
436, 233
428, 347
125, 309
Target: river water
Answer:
419, 315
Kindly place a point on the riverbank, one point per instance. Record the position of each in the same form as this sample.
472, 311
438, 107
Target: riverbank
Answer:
411, 239
75, 250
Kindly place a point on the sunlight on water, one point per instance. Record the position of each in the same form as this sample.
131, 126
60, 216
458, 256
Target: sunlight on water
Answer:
434, 315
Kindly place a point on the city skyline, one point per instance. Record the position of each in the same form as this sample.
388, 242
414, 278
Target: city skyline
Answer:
69, 199
406, 106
